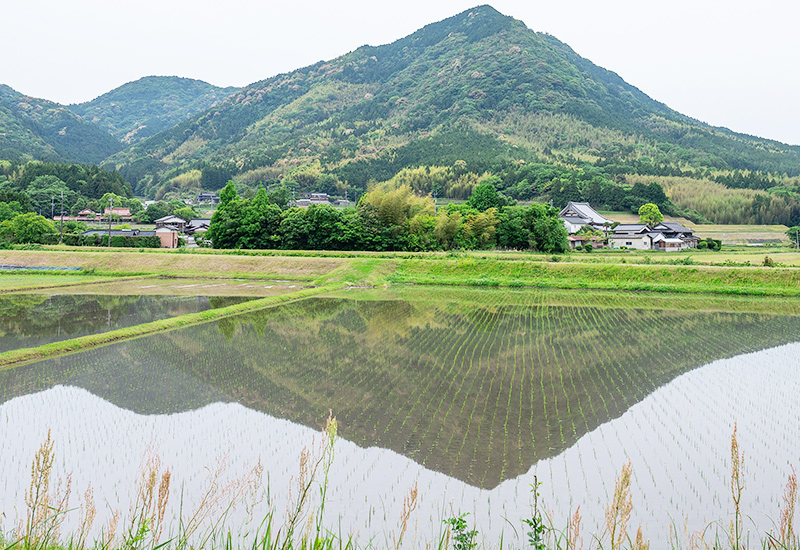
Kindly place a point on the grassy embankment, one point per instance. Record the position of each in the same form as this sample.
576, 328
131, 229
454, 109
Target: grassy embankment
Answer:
607, 270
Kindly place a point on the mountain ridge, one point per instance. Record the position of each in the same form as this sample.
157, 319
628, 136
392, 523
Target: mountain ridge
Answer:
127, 112
477, 72
34, 128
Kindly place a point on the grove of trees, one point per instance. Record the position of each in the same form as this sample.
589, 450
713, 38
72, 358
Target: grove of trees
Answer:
387, 218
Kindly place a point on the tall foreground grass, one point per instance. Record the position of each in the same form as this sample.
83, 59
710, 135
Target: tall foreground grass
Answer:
303, 526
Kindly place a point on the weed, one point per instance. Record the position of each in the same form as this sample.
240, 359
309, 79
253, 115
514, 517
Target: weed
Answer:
535, 523
737, 488
458, 533
409, 505
618, 511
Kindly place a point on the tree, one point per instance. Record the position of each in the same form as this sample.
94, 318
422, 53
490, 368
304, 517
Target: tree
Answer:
228, 194
650, 214
26, 228
261, 223
119, 202
547, 232
225, 229
187, 213
794, 234
8, 210
485, 196
161, 209
44, 189
281, 196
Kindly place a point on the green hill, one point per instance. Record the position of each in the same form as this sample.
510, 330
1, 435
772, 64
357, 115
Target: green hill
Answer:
479, 88
33, 128
143, 108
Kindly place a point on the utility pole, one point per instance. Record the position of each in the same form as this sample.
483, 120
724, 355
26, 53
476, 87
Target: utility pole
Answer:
61, 240
52, 207
110, 209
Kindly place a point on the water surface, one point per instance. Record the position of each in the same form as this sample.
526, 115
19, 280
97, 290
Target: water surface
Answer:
31, 320
466, 394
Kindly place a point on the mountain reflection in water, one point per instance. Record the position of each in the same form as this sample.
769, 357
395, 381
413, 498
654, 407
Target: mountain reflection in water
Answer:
677, 438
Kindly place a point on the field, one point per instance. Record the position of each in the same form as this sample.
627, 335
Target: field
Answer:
462, 375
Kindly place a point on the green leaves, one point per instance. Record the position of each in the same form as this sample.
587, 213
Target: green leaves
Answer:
462, 538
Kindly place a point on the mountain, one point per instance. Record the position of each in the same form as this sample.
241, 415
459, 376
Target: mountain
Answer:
143, 108
479, 88
33, 128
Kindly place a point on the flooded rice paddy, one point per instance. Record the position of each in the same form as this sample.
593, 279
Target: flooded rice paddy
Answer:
31, 320
468, 394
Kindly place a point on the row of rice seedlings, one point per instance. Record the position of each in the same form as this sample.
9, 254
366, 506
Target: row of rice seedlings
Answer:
622, 366
447, 372
539, 361
445, 359
472, 373
568, 364
502, 357
589, 357
432, 351
580, 340
386, 391
555, 386
404, 426
485, 365
363, 376
519, 367
460, 373
502, 402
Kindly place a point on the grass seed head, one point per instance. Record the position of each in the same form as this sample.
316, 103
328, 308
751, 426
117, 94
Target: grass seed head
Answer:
618, 511
787, 537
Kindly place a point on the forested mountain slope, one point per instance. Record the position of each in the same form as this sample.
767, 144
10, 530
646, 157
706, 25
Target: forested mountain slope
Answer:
32, 128
142, 108
479, 88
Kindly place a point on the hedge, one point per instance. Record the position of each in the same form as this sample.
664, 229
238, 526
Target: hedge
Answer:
122, 241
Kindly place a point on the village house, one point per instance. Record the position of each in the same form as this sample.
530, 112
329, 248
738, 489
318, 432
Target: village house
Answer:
197, 225
171, 222
121, 232
123, 214
583, 239
666, 236
207, 198
312, 198
577, 215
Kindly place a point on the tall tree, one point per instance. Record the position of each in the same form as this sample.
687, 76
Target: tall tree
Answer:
650, 214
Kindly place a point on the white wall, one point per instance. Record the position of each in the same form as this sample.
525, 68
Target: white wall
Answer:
637, 242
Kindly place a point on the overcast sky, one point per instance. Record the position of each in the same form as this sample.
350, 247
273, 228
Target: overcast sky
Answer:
730, 63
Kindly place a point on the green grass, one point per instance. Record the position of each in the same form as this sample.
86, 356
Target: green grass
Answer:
654, 278
737, 271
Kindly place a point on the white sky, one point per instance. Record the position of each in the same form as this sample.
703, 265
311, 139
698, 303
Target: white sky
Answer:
731, 63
